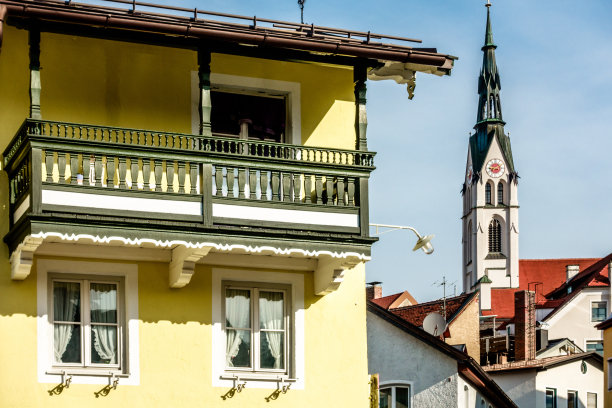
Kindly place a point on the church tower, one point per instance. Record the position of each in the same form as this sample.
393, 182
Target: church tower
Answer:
490, 202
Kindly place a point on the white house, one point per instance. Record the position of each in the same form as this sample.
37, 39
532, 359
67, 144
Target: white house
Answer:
557, 382
417, 369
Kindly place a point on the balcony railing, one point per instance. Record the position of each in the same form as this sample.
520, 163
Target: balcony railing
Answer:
108, 171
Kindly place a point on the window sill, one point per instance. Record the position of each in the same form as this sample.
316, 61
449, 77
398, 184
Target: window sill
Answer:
88, 373
258, 377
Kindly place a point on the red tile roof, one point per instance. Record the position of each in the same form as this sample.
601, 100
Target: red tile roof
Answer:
551, 273
386, 301
543, 363
417, 313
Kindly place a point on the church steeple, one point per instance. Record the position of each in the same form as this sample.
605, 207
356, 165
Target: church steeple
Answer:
490, 200
489, 120
489, 105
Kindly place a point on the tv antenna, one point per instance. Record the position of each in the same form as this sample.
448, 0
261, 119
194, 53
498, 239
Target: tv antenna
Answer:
301, 4
443, 283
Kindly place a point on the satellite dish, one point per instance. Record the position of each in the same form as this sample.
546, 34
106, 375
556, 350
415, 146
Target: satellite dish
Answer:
434, 324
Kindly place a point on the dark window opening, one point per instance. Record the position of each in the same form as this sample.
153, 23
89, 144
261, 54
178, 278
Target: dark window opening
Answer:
500, 193
248, 116
488, 193
495, 236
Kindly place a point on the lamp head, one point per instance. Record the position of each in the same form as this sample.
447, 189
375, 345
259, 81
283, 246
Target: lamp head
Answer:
425, 244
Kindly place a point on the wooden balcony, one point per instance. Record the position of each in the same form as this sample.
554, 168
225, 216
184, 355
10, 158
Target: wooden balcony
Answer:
96, 181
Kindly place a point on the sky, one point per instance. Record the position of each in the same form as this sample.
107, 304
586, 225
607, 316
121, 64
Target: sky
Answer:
555, 59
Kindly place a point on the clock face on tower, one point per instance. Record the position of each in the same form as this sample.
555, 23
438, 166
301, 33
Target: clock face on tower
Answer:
470, 174
495, 168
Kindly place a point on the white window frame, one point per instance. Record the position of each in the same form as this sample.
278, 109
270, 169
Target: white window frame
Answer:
591, 310
587, 341
254, 288
587, 398
555, 396
221, 376
575, 393
252, 85
50, 372
84, 324
398, 383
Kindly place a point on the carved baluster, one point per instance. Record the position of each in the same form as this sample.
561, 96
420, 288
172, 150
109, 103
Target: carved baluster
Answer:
351, 191
151, 181
181, 177
113, 179
104, 172
219, 180
287, 181
307, 188
121, 172
61, 162
242, 180
146, 173
275, 185
319, 189
49, 162
341, 191
134, 167
230, 181
164, 180
329, 190
193, 177
253, 183
263, 176
158, 173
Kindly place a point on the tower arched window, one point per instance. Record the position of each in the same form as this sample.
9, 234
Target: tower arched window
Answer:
500, 193
495, 236
469, 242
488, 198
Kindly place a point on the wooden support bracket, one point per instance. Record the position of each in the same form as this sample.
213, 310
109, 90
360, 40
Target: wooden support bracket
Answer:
183, 264
23, 256
329, 273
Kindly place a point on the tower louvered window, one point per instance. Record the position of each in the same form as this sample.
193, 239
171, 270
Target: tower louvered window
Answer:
488, 193
494, 236
500, 193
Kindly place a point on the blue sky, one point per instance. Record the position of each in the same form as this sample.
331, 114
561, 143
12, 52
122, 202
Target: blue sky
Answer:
555, 60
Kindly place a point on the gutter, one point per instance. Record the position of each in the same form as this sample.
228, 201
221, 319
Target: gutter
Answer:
140, 22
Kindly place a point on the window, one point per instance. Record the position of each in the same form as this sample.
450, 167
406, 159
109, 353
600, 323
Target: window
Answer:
469, 242
500, 193
599, 311
397, 396
488, 199
551, 398
591, 400
87, 322
256, 327
249, 116
494, 236
572, 399
595, 345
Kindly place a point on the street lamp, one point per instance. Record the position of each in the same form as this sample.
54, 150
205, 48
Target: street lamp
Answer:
423, 242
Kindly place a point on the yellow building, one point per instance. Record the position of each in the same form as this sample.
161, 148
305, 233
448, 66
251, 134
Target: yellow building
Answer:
216, 259
606, 326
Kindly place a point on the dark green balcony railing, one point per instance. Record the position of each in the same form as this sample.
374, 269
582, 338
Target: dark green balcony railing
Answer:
79, 157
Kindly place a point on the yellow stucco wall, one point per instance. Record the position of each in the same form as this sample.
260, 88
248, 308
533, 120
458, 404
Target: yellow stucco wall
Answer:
121, 84
175, 348
607, 355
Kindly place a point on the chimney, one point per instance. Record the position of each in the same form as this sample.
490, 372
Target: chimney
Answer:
571, 271
524, 322
373, 290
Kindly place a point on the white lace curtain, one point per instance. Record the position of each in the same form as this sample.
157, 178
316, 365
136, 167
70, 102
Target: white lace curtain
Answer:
65, 306
237, 314
271, 317
103, 301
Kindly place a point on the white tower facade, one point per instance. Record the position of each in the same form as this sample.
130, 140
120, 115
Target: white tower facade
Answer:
490, 192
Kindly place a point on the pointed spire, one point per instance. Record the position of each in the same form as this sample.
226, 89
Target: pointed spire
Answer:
489, 106
489, 121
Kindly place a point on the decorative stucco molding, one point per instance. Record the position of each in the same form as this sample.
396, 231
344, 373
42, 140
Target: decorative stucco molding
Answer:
330, 273
183, 264
22, 257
